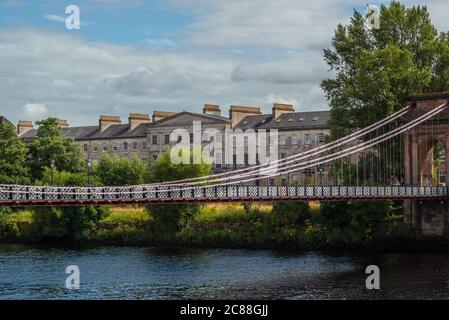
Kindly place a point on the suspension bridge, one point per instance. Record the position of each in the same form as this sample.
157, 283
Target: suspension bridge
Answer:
392, 159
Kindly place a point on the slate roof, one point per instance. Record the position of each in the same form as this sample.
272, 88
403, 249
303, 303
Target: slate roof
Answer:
115, 131
287, 121
4, 120
203, 115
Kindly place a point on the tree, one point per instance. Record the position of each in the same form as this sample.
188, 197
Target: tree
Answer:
13, 157
49, 145
119, 171
65, 222
173, 217
376, 70
291, 212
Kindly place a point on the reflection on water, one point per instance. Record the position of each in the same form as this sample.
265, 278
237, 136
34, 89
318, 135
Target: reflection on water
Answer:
31, 272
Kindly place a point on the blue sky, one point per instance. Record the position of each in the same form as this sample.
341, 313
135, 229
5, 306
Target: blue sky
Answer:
142, 56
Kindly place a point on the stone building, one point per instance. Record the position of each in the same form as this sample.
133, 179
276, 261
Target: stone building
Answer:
297, 132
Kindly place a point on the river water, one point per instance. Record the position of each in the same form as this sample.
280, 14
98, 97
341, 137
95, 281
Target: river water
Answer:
37, 272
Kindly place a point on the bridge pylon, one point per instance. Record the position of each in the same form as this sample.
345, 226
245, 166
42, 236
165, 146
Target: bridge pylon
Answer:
426, 159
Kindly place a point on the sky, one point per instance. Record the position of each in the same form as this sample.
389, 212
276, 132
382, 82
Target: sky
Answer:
169, 55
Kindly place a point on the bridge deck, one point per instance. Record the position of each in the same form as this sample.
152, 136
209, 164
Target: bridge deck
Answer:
23, 196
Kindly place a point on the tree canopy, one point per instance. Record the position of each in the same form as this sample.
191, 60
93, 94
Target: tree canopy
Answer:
13, 157
375, 70
50, 144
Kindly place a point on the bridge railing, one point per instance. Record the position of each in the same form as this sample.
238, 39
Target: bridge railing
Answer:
36, 194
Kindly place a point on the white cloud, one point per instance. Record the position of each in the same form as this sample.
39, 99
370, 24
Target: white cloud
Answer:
35, 110
53, 17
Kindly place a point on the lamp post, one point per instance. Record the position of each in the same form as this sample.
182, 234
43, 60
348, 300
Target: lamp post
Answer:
89, 164
52, 166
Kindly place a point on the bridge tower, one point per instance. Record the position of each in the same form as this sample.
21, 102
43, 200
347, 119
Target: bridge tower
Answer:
426, 157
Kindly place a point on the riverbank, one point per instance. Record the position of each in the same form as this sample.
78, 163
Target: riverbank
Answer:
227, 226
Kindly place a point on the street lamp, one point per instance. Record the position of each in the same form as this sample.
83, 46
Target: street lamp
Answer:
89, 164
52, 166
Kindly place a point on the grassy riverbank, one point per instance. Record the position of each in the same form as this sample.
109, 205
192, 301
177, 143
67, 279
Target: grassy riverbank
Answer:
222, 225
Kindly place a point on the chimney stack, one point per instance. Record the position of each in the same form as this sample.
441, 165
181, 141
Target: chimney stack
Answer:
24, 126
106, 121
138, 118
159, 115
212, 109
280, 108
63, 123
238, 113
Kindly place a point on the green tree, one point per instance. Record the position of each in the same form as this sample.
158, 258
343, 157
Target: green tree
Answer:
375, 70
49, 145
288, 212
54, 223
173, 217
120, 171
13, 157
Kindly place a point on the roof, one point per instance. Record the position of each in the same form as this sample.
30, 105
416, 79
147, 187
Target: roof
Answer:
115, 131
4, 120
201, 115
287, 121
253, 121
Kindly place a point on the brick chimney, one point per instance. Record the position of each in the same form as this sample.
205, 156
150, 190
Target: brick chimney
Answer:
213, 109
106, 121
280, 108
24, 126
138, 118
159, 115
63, 123
238, 113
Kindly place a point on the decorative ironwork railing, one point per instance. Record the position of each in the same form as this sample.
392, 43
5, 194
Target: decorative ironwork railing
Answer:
16, 195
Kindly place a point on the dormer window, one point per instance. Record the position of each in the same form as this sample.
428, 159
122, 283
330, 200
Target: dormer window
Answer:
315, 118
290, 120
301, 119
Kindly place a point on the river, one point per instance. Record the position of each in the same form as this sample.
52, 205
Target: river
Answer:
38, 272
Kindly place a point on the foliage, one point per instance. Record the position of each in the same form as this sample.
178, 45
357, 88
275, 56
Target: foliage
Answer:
375, 70
65, 222
13, 157
174, 216
291, 212
120, 171
49, 145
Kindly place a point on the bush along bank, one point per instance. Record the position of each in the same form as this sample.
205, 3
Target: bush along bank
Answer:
284, 225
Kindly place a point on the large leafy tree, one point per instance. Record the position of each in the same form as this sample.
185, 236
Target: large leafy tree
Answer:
50, 144
172, 217
13, 157
375, 70
119, 171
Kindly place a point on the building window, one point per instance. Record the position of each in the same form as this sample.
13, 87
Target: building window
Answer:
234, 142
295, 139
320, 137
166, 139
115, 147
295, 179
246, 159
154, 139
282, 140
283, 180
125, 146
105, 147
191, 137
245, 141
179, 139
134, 146
144, 145
155, 156
86, 148
234, 160
95, 148
282, 155
308, 139
218, 160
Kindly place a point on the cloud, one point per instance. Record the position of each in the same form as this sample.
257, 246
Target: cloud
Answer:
35, 110
53, 17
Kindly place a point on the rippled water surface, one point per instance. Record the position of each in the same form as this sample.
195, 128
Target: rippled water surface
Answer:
29, 272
